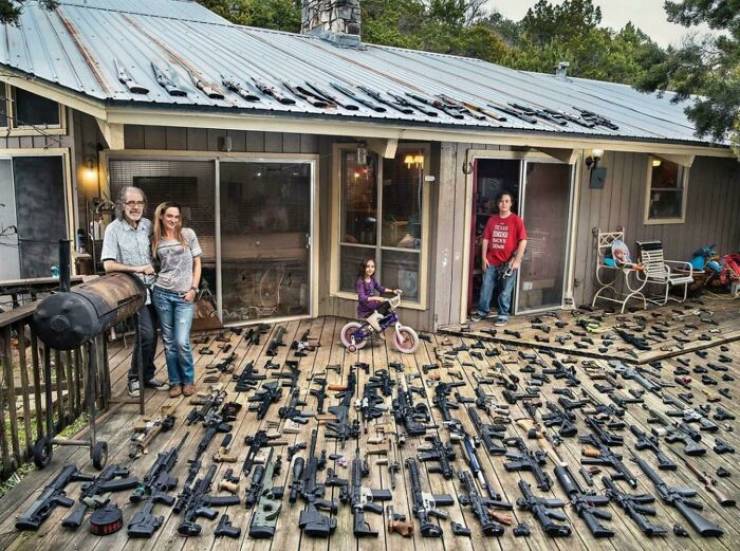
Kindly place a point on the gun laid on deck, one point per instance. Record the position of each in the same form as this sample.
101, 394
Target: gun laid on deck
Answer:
304, 484
636, 507
424, 505
542, 509
268, 501
199, 503
361, 498
528, 460
585, 504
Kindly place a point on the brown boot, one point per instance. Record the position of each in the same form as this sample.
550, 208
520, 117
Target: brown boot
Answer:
188, 390
175, 391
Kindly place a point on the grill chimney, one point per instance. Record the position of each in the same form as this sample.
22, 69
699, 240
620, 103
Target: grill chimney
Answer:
337, 21
561, 69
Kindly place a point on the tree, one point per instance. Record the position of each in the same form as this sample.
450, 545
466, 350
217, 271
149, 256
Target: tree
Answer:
10, 10
704, 71
284, 15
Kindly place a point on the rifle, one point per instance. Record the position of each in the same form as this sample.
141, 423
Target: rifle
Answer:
145, 432
268, 500
677, 497
52, 496
528, 460
646, 441
361, 498
542, 509
341, 429
198, 503
677, 432
381, 379
478, 504
491, 435
425, 504
276, 341
563, 419
90, 496
292, 412
153, 489
311, 520
441, 399
259, 475
412, 417
319, 393
636, 507
248, 378
371, 405
268, 393
585, 504
222, 455
710, 484
208, 404
289, 379
689, 415
596, 453
439, 452
256, 443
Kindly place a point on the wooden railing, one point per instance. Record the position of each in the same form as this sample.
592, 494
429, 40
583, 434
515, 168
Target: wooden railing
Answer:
22, 386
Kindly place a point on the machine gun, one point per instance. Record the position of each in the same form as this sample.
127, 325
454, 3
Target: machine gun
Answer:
425, 504
648, 442
200, 504
478, 504
637, 375
361, 498
268, 394
441, 398
636, 507
413, 417
248, 379
491, 435
342, 429
52, 496
596, 453
153, 489
276, 341
601, 435
528, 460
268, 500
679, 499
304, 484
371, 406
542, 509
437, 451
292, 411
561, 418
689, 415
113, 478
585, 504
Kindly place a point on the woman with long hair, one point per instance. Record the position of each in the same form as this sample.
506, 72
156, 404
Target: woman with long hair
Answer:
178, 252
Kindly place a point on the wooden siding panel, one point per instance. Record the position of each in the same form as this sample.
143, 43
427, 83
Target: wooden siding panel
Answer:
273, 142
177, 138
255, 141
155, 137
197, 139
291, 143
309, 143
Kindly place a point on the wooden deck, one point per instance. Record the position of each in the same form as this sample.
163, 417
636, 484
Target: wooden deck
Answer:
115, 427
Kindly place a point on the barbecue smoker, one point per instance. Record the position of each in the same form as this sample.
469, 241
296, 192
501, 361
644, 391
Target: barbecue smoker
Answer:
73, 318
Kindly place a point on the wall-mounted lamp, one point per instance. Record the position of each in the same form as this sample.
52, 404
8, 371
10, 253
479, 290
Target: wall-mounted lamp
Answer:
90, 172
657, 163
417, 160
597, 174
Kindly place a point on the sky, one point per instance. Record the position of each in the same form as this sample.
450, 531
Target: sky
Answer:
648, 15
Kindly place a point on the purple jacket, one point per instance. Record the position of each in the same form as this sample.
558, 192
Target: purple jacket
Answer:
366, 289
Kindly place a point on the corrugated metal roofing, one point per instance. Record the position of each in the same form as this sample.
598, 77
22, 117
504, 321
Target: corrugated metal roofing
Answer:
116, 50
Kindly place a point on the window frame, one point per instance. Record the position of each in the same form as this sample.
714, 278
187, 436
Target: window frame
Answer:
338, 151
30, 130
649, 188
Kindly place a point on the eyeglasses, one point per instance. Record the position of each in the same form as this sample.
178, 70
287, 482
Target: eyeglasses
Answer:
135, 203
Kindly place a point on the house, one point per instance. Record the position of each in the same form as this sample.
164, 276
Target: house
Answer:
297, 155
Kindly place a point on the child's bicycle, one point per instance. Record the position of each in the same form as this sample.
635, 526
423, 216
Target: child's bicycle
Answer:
356, 334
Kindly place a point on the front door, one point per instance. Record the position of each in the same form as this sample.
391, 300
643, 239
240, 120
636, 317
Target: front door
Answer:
265, 228
546, 200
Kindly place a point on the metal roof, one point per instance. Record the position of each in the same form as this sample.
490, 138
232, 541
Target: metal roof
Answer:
115, 51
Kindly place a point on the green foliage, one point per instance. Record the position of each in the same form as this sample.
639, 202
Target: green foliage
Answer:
10, 10
705, 70
282, 15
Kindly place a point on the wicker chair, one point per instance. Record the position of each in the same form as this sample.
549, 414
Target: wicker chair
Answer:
612, 278
658, 271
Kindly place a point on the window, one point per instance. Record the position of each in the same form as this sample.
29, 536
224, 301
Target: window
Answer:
383, 205
32, 110
666, 192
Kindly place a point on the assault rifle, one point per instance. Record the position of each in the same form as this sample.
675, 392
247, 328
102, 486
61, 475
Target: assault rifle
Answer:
414, 418
311, 520
441, 398
361, 498
145, 431
381, 380
52, 496
528, 460
91, 494
209, 403
638, 342
290, 378
563, 419
371, 406
678, 497
425, 504
585, 504
478, 504
437, 451
248, 379
542, 509
268, 394
292, 411
596, 453
199, 503
153, 489
256, 442
601, 435
636, 507
689, 415
677, 432
276, 341
491, 435
268, 500
342, 429
645, 441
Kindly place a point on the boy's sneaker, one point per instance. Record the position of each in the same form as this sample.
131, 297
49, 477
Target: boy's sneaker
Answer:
476, 316
501, 322
133, 388
156, 384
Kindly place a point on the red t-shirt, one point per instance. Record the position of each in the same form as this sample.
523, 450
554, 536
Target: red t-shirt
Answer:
503, 235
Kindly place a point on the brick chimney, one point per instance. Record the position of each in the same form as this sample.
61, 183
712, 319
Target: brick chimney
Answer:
337, 21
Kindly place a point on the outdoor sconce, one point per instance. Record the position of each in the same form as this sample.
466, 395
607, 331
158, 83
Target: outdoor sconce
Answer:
597, 174
416, 160
90, 172
656, 163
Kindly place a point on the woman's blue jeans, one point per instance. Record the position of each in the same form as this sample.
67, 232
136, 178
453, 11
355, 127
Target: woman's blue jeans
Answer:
175, 318
491, 280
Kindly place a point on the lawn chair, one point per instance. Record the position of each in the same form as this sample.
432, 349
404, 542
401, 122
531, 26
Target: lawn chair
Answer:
612, 274
664, 273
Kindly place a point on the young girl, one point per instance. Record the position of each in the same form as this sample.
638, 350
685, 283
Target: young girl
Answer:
175, 289
371, 305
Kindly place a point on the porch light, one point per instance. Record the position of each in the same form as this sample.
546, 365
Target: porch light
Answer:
596, 175
416, 160
657, 163
89, 172
408, 160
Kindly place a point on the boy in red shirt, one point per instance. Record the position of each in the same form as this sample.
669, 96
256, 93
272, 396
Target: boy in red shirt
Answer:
504, 242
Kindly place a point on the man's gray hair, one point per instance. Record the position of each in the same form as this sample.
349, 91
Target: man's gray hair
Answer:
121, 199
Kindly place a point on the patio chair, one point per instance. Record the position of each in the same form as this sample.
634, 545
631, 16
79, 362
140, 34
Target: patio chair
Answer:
664, 273
619, 282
